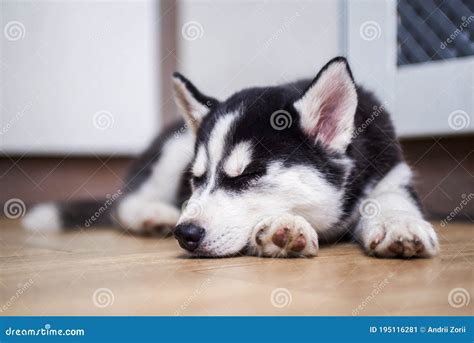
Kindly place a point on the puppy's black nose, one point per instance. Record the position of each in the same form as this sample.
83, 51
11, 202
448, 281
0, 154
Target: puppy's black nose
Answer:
189, 236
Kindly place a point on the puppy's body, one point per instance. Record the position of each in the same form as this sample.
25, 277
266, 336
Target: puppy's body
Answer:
275, 170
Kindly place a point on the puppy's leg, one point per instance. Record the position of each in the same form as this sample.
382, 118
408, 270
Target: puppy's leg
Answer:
284, 236
391, 223
142, 215
159, 172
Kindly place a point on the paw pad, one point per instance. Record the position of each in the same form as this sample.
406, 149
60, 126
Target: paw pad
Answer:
280, 237
401, 237
299, 244
285, 236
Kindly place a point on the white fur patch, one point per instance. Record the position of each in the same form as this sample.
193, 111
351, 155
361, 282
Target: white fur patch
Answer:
390, 218
390, 193
216, 145
229, 220
327, 109
164, 182
199, 166
238, 160
218, 136
150, 204
44, 218
139, 214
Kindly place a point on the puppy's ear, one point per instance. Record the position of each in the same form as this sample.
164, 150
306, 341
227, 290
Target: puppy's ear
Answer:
328, 106
192, 104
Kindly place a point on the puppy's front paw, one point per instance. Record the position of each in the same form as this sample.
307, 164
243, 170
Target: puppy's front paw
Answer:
399, 235
145, 217
285, 236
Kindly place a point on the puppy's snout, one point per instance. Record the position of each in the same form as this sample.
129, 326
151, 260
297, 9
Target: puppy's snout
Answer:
189, 236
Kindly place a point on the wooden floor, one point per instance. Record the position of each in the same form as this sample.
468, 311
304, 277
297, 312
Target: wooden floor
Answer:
105, 272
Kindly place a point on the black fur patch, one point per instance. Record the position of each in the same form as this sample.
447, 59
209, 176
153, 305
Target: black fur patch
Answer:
374, 149
373, 152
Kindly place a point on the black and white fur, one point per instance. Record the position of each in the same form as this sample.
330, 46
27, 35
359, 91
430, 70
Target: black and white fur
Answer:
261, 189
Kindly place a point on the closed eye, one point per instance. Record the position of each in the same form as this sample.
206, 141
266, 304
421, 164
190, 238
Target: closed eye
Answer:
198, 179
241, 182
247, 174
251, 172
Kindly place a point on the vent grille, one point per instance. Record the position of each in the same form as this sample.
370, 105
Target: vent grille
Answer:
430, 30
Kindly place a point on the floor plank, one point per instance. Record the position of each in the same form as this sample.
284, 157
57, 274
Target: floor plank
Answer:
59, 274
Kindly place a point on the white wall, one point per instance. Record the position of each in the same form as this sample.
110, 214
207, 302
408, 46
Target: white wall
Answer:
431, 98
435, 98
235, 44
71, 61
231, 44
75, 60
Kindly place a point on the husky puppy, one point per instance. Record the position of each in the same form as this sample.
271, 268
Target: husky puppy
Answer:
271, 171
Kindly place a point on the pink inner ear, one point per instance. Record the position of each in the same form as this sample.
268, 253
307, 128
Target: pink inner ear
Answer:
330, 115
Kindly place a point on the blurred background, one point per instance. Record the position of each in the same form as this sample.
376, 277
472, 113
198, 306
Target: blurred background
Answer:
85, 85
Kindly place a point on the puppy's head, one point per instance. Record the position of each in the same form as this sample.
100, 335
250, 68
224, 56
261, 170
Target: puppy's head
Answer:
265, 152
